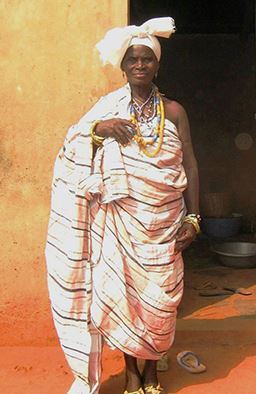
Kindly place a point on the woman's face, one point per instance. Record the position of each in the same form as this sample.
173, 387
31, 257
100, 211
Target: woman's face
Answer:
140, 65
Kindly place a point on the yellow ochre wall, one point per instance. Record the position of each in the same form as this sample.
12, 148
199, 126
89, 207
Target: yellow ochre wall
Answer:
50, 76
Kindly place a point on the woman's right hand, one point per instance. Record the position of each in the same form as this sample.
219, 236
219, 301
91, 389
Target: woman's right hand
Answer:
121, 130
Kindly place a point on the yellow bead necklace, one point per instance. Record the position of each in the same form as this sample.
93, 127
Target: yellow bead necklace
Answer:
158, 131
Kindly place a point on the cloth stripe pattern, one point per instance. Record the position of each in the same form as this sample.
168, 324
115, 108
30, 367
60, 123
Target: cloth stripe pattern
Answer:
112, 269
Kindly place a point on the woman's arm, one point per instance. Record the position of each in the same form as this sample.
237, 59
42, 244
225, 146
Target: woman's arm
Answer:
176, 113
191, 194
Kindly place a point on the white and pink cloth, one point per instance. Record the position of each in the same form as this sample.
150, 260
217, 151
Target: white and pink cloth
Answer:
112, 270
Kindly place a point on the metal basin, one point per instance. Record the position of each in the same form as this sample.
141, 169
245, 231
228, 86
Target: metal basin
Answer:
236, 254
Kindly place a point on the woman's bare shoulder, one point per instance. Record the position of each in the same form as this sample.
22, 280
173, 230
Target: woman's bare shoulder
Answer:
174, 111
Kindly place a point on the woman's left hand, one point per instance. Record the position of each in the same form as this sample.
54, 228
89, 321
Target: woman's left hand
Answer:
185, 235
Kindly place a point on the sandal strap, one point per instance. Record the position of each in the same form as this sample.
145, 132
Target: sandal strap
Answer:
139, 391
185, 358
150, 389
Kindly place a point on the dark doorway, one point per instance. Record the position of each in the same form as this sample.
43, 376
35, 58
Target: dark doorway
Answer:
209, 67
199, 16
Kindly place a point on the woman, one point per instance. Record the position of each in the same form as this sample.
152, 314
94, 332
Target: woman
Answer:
124, 206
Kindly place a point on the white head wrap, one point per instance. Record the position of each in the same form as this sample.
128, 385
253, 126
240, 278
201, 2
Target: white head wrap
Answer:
113, 46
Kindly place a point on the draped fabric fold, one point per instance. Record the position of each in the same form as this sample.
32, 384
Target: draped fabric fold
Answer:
112, 269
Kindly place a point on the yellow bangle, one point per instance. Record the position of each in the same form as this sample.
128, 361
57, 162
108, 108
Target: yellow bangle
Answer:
194, 215
192, 219
96, 138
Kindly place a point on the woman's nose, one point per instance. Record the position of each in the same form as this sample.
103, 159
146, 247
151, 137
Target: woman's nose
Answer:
140, 63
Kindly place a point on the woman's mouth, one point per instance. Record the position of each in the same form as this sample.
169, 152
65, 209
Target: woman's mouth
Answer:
140, 74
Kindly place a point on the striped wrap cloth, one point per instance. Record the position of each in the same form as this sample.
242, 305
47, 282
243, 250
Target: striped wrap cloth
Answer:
112, 270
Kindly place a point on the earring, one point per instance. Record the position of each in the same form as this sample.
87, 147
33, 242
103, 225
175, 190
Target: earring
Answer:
156, 74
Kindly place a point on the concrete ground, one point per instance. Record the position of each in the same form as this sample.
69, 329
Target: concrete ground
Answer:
221, 330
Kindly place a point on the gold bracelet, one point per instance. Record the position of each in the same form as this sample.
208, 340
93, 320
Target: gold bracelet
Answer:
96, 138
194, 215
194, 220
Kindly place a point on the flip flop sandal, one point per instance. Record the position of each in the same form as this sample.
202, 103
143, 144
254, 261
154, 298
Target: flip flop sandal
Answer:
239, 290
224, 292
162, 364
191, 362
214, 293
206, 285
150, 389
140, 391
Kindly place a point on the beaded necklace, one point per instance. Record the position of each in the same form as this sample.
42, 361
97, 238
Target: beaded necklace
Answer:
147, 105
158, 131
